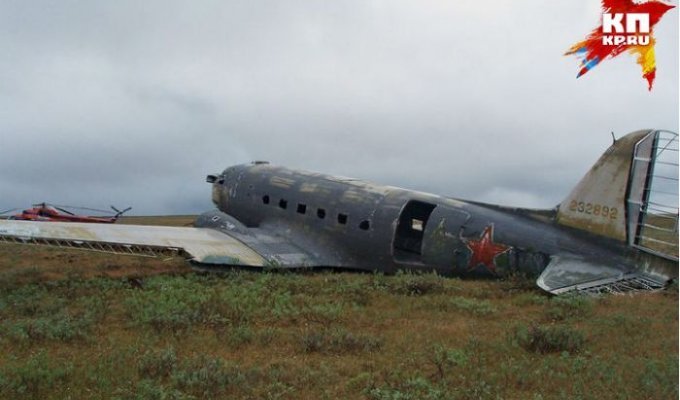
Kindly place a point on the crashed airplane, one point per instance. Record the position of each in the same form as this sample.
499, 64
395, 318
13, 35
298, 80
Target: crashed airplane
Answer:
616, 231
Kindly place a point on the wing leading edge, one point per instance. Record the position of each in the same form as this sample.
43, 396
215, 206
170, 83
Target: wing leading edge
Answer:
202, 245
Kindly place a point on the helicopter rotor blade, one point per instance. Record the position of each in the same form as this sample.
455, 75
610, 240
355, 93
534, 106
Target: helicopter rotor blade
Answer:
97, 210
9, 211
66, 211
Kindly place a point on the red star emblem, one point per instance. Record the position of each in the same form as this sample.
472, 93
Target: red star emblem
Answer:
484, 250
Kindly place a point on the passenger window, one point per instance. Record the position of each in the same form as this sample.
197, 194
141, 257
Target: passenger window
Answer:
342, 218
321, 213
283, 204
365, 225
301, 208
265, 199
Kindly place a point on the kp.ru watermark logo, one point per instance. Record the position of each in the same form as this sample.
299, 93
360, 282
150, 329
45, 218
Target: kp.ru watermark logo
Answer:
635, 32
626, 26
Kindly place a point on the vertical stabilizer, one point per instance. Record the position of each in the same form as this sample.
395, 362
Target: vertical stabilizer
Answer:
598, 203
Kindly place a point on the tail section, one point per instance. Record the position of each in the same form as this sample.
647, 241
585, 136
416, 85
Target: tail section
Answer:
631, 194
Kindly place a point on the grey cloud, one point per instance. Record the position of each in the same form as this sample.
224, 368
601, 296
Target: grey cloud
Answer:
133, 103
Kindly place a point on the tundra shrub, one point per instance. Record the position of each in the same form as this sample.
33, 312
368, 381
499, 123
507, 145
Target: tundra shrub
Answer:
35, 377
157, 364
338, 342
206, 377
569, 306
445, 359
550, 339
413, 284
473, 307
412, 389
62, 327
166, 310
147, 389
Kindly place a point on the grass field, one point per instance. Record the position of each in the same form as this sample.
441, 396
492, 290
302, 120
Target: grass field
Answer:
86, 325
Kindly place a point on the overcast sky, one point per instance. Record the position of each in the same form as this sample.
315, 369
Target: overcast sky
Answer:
133, 103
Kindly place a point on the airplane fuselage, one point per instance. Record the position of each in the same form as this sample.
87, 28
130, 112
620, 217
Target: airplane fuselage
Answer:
363, 226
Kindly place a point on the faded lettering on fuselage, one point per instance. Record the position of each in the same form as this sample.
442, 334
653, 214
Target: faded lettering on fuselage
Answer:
284, 183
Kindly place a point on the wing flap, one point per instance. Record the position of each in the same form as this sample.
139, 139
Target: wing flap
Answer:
203, 245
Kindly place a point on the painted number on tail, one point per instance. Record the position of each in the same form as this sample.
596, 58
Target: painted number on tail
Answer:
595, 209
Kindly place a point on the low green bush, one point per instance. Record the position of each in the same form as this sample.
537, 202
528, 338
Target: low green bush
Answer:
416, 388
206, 377
415, 284
147, 389
473, 306
550, 339
338, 342
565, 307
445, 360
240, 335
33, 377
530, 299
62, 327
172, 310
157, 364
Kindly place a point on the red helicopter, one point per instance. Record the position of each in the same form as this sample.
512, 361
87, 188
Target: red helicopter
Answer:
51, 212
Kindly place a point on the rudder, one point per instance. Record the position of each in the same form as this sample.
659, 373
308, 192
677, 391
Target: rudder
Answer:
630, 194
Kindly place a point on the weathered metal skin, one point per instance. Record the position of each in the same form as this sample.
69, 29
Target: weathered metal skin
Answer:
300, 219
255, 195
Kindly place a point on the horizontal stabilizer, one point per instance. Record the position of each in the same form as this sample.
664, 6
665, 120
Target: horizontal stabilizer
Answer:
571, 273
202, 245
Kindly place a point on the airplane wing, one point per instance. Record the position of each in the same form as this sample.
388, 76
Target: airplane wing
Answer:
566, 273
202, 245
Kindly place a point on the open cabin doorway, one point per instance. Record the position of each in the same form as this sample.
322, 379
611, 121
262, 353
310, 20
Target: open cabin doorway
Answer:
408, 237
